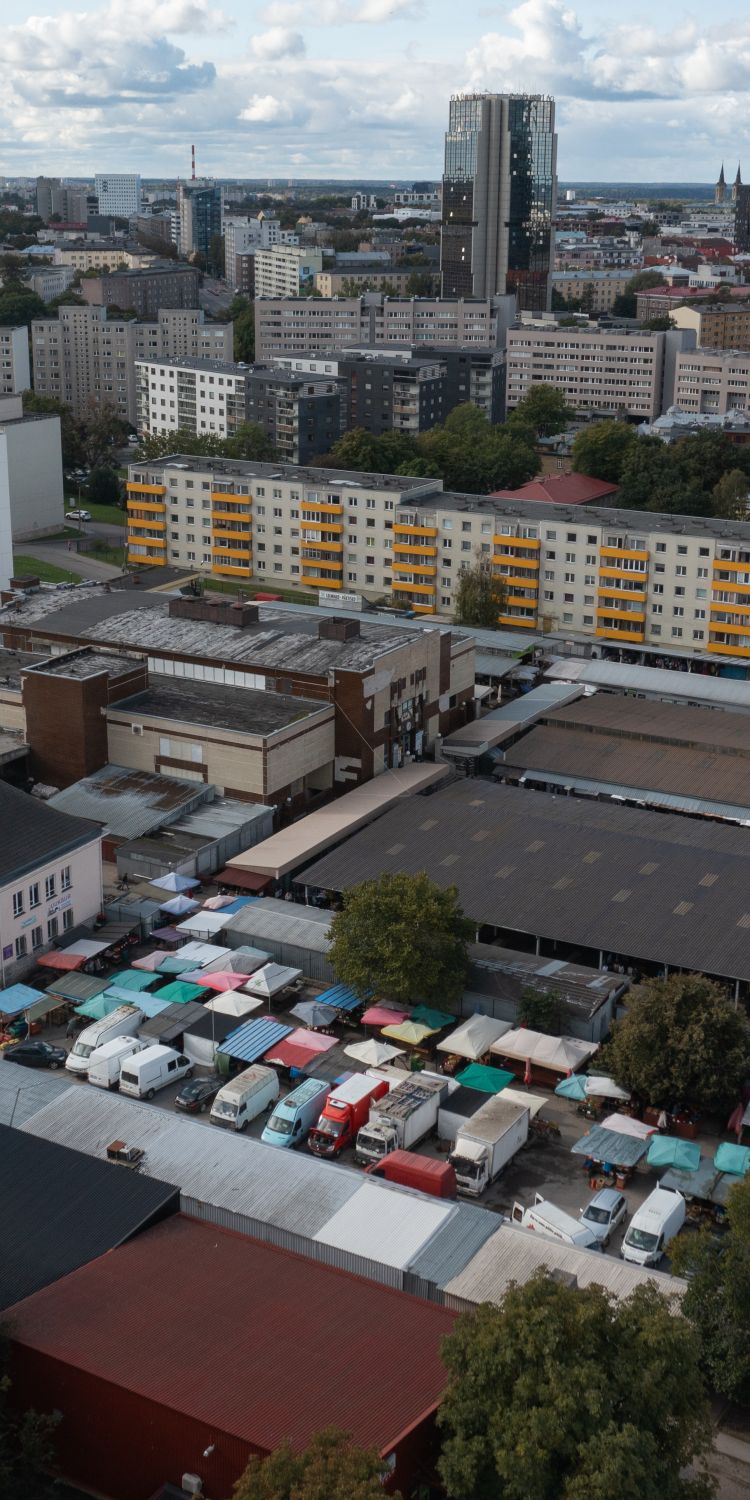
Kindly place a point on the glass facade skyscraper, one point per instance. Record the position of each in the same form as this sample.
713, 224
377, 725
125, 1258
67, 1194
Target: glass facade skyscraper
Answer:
499, 190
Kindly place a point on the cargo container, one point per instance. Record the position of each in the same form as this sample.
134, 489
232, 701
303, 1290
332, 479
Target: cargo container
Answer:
423, 1173
486, 1143
402, 1118
346, 1110
294, 1116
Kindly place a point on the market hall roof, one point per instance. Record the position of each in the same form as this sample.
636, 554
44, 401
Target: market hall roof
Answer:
657, 887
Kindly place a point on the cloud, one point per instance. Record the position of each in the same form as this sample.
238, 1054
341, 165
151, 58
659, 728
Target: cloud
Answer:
276, 43
266, 109
342, 12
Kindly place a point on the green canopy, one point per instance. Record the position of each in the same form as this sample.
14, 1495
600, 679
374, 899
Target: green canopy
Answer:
734, 1159
100, 1006
434, 1019
486, 1080
179, 992
132, 979
173, 964
670, 1151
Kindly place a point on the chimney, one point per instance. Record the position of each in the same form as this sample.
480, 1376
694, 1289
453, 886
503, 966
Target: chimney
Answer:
337, 628
240, 615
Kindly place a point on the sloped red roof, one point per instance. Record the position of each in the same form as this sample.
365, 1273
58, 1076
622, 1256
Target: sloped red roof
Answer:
562, 489
247, 1338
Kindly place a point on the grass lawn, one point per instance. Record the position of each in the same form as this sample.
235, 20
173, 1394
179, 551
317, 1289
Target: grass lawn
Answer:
245, 590
105, 552
109, 514
28, 567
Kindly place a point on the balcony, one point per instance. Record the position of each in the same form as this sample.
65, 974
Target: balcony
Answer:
611, 612
232, 534
400, 529
637, 554
136, 488
154, 507
512, 559
423, 551
333, 526
313, 548
518, 543
238, 514
525, 622
619, 633
234, 570
322, 507
429, 569
232, 549
317, 581
719, 648
613, 571
611, 591
147, 519
401, 587
518, 581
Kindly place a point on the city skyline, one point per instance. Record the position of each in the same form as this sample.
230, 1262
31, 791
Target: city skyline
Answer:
360, 88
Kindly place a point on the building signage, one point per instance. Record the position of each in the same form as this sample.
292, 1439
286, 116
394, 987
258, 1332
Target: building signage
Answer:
329, 600
59, 904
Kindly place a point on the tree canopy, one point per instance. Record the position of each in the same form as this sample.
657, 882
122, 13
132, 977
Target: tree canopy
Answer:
568, 1394
544, 409
467, 452
330, 1468
689, 477
717, 1300
103, 486
480, 595
601, 449
402, 938
681, 1041
249, 441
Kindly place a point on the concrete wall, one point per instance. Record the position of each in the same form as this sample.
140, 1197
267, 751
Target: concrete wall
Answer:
83, 900
31, 474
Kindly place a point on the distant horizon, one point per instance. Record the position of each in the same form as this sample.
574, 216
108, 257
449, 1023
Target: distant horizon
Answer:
284, 182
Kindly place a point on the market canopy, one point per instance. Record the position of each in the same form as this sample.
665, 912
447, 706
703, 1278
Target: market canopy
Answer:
179, 906
167, 935
175, 882
626, 1125
670, 1151
103, 1005
534, 1103
474, 1036
65, 962
86, 948
204, 923
435, 1019
409, 1032
271, 980
150, 962
179, 993
342, 998
384, 1015
19, 998
76, 987
558, 1054
254, 1038
485, 1080
132, 979
199, 954
734, 1159
172, 963
151, 1005
234, 1004
243, 961
373, 1053
604, 1088
219, 980
610, 1146
572, 1087
294, 1051
314, 1014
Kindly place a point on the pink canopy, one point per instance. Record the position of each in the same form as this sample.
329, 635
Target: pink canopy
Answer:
382, 1015
221, 980
215, 903
150, 961
296, 1050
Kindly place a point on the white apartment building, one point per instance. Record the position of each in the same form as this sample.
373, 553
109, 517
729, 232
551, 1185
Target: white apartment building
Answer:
311, 325
31, 472
202, 396
119, 193
51, 281
713, 381
607, 372
15, 373
283, 270
677, 583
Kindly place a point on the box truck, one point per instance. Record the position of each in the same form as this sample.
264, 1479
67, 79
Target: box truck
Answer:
105, 1062
457, 1110
657, 1221
121, 1022
552, 1222
402, 1118
295, 1115
346, 1110
486, 1143
244, 1097
425, 1174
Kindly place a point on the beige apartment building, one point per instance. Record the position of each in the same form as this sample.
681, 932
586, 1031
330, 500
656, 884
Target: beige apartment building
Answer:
378, 279
101, 257
604, 372
619, 576
594, 290
713, 381
283, 270
721, 326
312, 325
82, 356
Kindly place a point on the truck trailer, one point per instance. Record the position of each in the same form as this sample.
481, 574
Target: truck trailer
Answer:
486, 1143
402, 1118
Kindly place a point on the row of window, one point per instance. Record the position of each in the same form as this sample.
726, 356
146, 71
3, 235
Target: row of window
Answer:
30, 942
31, 892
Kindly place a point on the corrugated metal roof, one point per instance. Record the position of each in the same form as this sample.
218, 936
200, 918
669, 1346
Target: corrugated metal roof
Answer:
455, 1243
375, 1225
249, 1041
532, 705
77, 986
281, 922
128, 803
514, 1254
619, 792
680, 686
272, 1310
24, 1091
340, 997
61, 1209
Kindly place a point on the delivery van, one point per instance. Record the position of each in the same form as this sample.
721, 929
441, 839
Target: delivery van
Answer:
552, 1222
146, 1072
245, 1097
121, 1022
425, 1174
657, 1221
105, 1062
294, 1116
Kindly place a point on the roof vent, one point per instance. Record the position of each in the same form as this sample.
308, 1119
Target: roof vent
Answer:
129, 1156
337, 629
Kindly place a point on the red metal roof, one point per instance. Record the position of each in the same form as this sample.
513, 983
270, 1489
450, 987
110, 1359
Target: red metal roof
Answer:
561, 489
252, 1340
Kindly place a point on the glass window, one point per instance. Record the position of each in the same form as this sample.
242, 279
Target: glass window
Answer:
49, 887
18, 903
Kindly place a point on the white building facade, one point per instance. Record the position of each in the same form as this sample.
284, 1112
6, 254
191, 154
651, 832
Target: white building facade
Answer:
119, 193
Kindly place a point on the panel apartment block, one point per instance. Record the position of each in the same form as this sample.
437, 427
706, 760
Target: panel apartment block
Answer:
15, 374
144, 292
283, 270
712, 381
606, 372
312, 325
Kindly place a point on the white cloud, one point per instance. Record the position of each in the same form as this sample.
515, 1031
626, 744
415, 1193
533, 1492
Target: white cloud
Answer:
276, 43
266, 109
341, 12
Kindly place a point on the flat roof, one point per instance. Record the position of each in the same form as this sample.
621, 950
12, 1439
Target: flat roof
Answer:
288, 849
515, 1255
127, 802
693, 687
13, 663
86, 663
654, 886
250, 468
252, 711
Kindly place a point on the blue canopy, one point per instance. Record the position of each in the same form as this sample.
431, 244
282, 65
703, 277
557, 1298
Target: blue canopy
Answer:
734, 1159
671, 1151
341, 998
573, 1087
175, 882
18, 998
251, 1040
611, 1146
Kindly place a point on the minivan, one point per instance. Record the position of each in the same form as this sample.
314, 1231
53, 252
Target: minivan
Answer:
121, 1022
295, 1115
552, 1222
146, 1072
245, 1097
105, 1062
657, 1221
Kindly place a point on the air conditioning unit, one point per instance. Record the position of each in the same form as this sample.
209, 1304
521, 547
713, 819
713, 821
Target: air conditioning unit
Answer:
129, 1156
192, 1484
136, 729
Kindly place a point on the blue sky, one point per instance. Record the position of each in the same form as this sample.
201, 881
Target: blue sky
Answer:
359, 88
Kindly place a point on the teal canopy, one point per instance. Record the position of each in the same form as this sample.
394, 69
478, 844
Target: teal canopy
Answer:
485, 1080
435, 1019
173, 964
734, 1159
178, 993
670, 1151
573, 1087
132, 979
102, 1005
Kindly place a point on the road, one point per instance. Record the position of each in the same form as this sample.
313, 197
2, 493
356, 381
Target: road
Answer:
214, 296
57, 553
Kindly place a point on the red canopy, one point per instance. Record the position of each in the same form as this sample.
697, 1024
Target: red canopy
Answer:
296, 1051
382, 1015
62, 961
220, 980
245, 880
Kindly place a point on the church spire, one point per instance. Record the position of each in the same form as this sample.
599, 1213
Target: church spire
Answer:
722, 179
738, 178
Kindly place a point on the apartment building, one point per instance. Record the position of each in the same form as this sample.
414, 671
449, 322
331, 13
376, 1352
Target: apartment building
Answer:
82, 356
607, 372
72, 205
302, 415
312, 325
144, 292
401, 392
15, 374
594, 291
723, 325
31, 472
372, 278
50, 281
713, 381
246, 236
90, 257
467, 375
283, 270
118, 193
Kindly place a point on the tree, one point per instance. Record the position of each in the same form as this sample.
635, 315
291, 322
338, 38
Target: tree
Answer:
71, 429
541, 1011
681, 1042
480, 595
544, 408
403, 938
19, 305
646, 470
601, 449
717, 1300
659, 325
330, 1468
565, 1393
730, 496
249, 441
103, 486
103, 429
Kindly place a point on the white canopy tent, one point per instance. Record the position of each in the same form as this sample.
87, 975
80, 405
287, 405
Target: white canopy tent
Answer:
474, 1036
203, 924
559, 1054
234, 1004
373, 1053
605, 1088
626, 1125
270, 981
532, 1102
201, 954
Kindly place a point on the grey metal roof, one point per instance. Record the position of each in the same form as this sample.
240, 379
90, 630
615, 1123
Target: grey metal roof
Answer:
538, 702
513, 1254
35, 832
282, 921
653, 886
661, 682
128, 803
619, 791
24, 1091
253, 712
454, 1244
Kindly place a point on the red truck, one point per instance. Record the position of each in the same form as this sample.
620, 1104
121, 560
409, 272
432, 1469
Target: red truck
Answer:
423, 1173
346, 1109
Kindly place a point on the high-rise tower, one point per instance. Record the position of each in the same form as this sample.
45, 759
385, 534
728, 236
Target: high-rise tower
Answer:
499, 191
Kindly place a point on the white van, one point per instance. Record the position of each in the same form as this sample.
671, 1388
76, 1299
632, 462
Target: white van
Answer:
145, 1072
121, 1022
659, 1218
105, 1062
547, 1219
245, 1097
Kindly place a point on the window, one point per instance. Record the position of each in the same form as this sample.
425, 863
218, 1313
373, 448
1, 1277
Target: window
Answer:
37, 937
571, 536
21, 945
678, 611
18, 903
590, 541
33, 895
682, 551
590, 559
570, 577
196, 754
49, 887
65, 880
660, 547
701, 572
567, 619
549, 595
551, 536
699, 614
570, 557
681, 571
51, 929
588, 619
68, 919
676, 632
657, 609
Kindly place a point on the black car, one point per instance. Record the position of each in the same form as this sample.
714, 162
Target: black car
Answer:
36, 1055
198, 1095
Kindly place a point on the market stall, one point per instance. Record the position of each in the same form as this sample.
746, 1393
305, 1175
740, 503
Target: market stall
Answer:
539, 1058
474, 1037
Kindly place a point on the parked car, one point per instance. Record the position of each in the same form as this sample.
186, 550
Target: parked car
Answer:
606, 1210
198, 1095
36, 1055
78, 515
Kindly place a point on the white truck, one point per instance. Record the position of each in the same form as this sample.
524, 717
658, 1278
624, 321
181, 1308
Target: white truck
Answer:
486, 1143
554, 1224
401, 1119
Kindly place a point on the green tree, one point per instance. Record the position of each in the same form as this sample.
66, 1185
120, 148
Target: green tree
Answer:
601, 449
480, 595
103, 487
706, 457
71, 429
19, 305
646, 470
541, 1011
330, 1468
659, 325
730, 496
717, 1300
242, 313
544, 409
249, 441
565, 1393
681, 1041
103, 429
403, 938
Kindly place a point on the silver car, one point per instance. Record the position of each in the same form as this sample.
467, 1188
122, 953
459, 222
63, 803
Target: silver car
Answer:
602, 1215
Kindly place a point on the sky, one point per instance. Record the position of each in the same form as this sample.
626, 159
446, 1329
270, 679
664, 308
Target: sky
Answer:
359, 88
